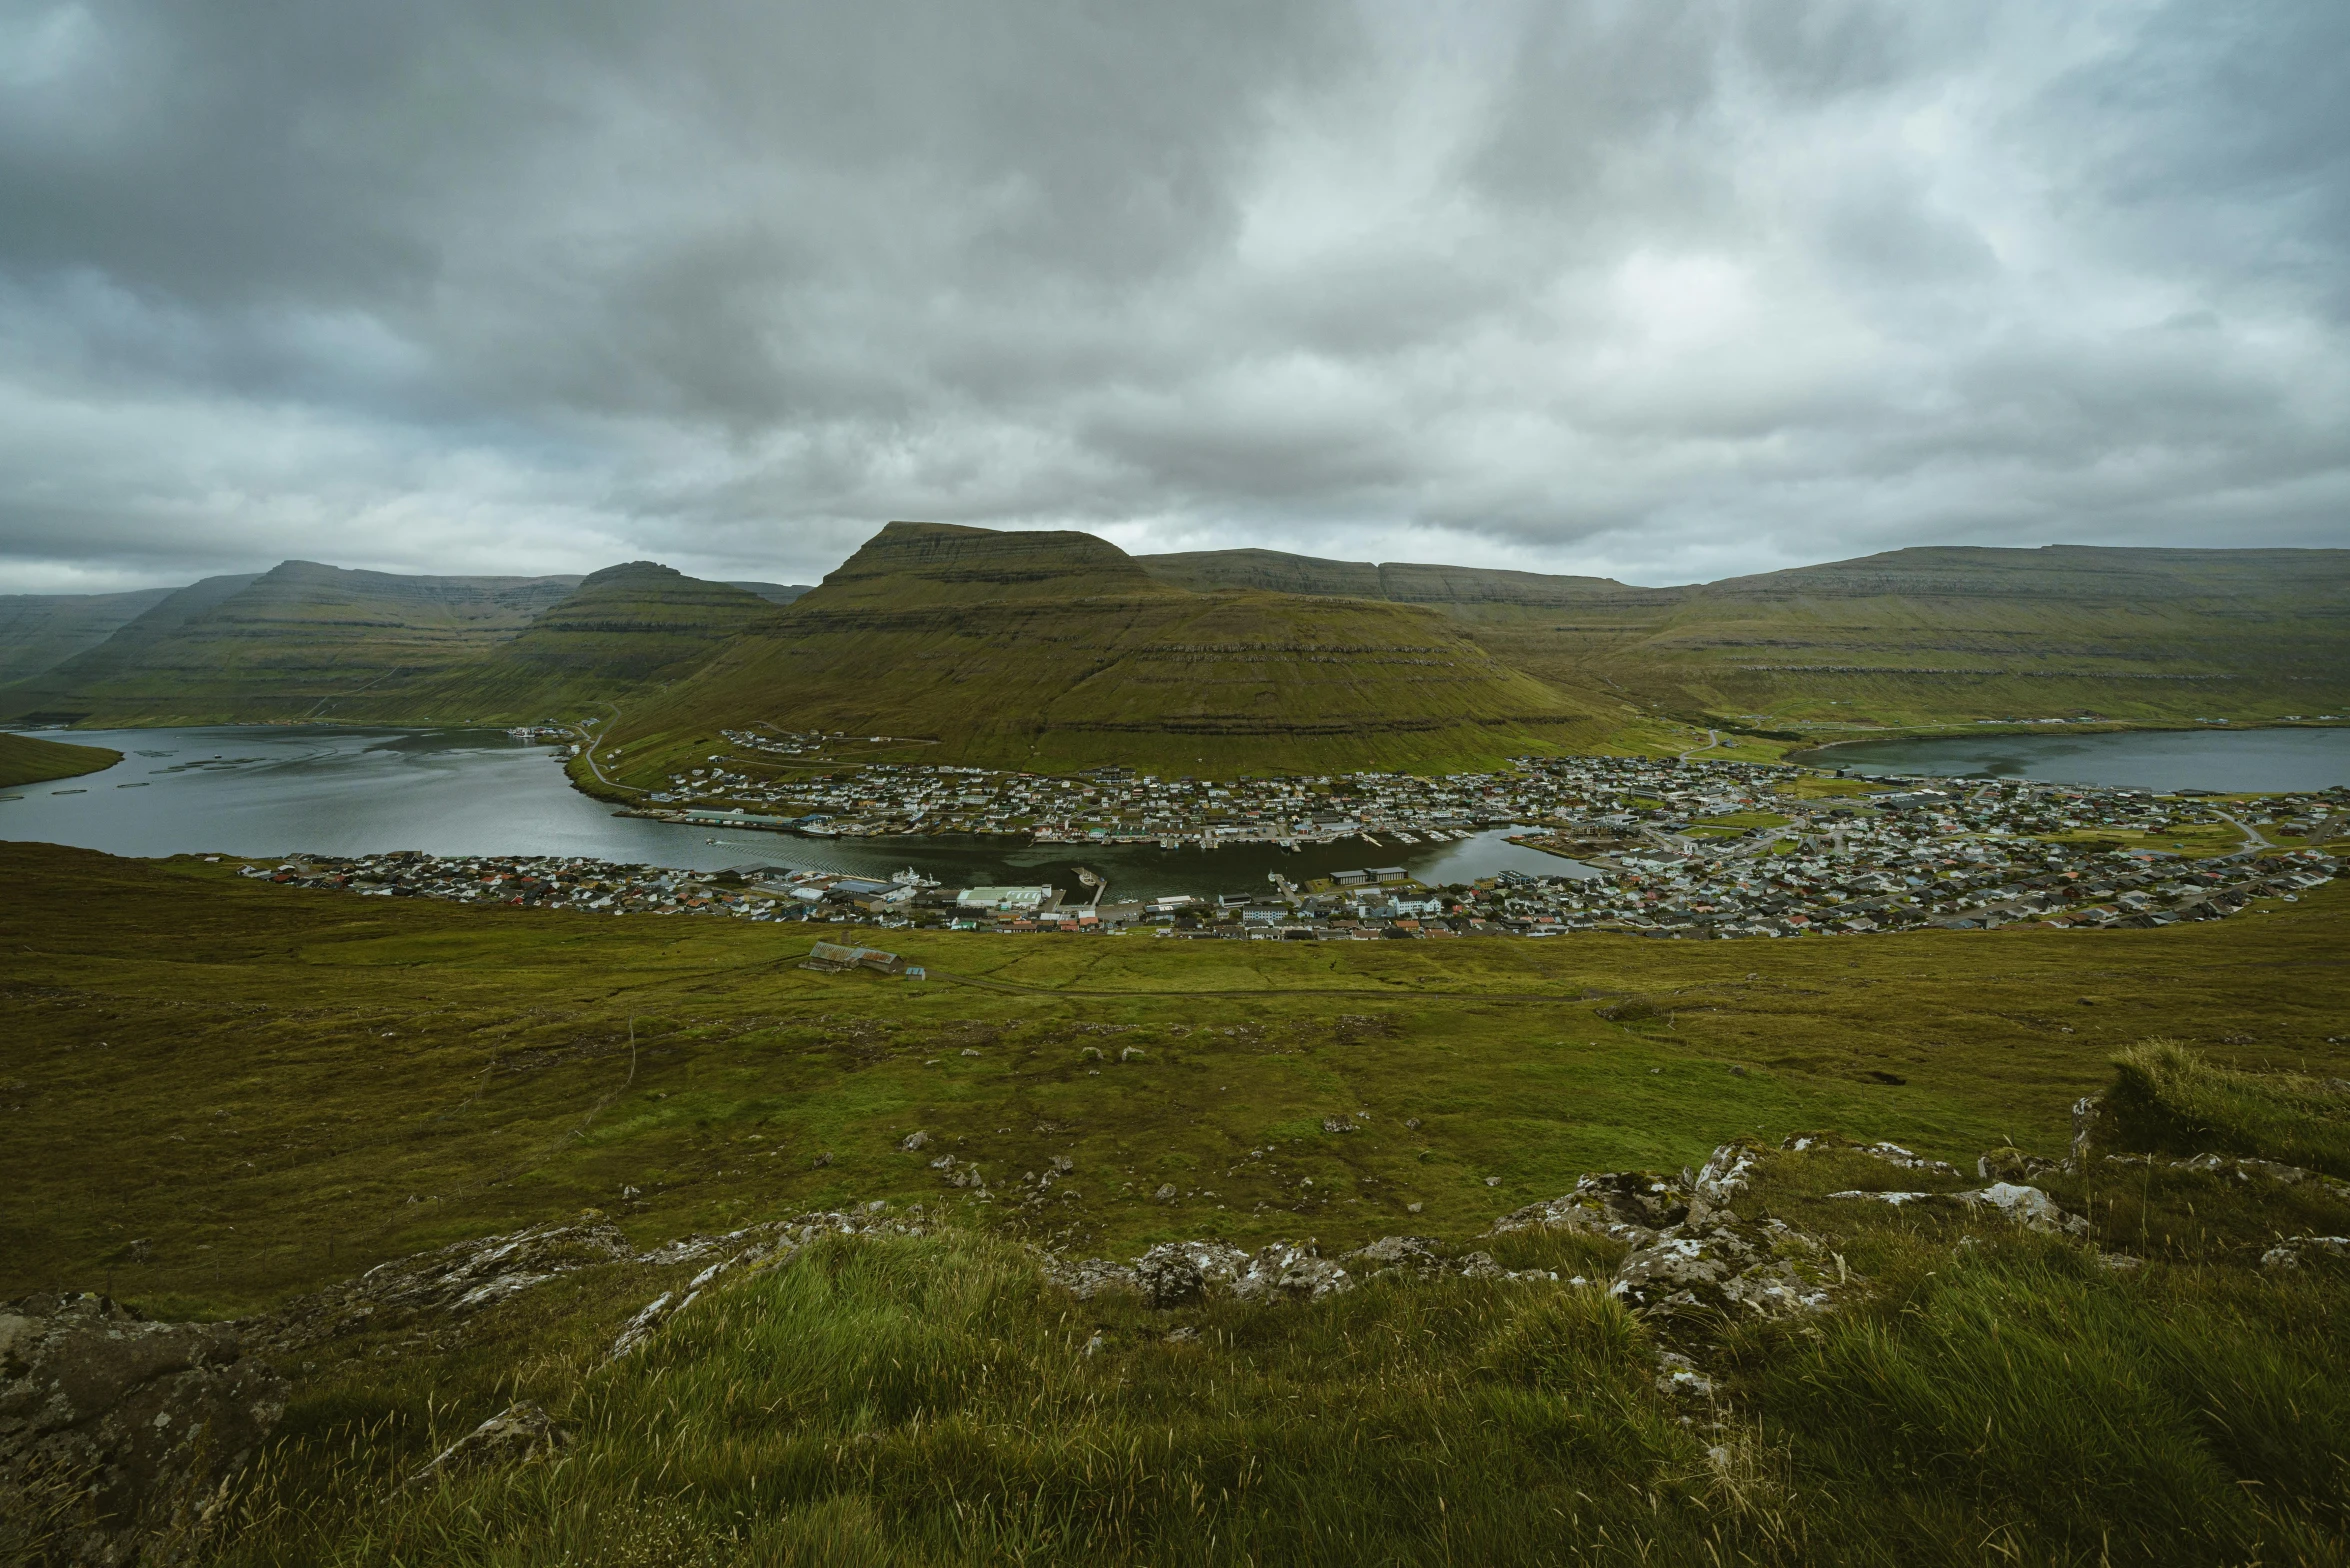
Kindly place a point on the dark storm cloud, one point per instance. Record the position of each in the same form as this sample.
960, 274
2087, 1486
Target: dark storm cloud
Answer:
1670, 290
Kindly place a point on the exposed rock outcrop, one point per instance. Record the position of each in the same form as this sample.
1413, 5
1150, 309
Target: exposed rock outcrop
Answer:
119, 1437
1728, 1269
518, 1434
1628, 1206
435, 1290
2241, 1169
2026, 1206
2296, 1252
1892, 1154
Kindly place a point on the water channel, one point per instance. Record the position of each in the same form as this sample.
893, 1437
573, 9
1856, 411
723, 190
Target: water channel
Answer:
272, 790
2273, 759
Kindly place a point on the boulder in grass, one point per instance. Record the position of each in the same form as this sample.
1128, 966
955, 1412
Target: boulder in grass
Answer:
1709, 1270
2008, 1163
518, 1434
2298, 1252
1177, 1273
2027, 1206
120, 1437
1627, 1205
1286, 1270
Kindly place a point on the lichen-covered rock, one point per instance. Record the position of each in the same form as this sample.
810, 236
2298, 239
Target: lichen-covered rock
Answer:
2009, 1163
1086, 1278
1286, 1269
1729, 1269
518, 1434
2092, 1127
2296, 1252
444, 1285
1176, 1273
1414, 1255
1678, 1377
2027, 1206
754, 1247
2241, 1169
1894, 1199
1726, 1174
1892, 1154
119, 1437
1627, 1205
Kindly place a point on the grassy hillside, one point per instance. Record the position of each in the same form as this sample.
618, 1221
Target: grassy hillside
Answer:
1055, 650
1910, 638
39, 631
622, 629
223, 1094
27, 759
299, 641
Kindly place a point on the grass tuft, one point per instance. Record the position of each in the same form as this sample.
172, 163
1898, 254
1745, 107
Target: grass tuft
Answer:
2169, 1099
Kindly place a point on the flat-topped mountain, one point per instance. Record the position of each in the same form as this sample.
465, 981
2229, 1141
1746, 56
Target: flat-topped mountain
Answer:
922, 565
1058, 649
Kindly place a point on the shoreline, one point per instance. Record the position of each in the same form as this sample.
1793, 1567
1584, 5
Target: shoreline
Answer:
1799, 755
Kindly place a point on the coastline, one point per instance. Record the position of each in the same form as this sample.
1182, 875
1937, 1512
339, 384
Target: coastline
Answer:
1799, 755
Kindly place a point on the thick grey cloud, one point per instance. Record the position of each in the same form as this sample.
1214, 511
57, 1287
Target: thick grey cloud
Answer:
1668, 289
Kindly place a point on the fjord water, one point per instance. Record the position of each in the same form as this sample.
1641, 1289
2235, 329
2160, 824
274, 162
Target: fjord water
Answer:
2276, 759
273, 790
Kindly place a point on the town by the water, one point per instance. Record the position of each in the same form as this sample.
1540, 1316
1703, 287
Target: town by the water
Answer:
1680, 849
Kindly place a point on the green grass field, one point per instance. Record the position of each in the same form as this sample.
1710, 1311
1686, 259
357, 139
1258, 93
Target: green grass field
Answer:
220, 1094
27, 759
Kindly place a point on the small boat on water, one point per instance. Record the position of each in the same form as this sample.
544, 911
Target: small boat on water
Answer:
69, 792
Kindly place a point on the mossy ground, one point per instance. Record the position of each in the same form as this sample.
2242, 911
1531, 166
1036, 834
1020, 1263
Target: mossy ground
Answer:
294, 1085
273, 1089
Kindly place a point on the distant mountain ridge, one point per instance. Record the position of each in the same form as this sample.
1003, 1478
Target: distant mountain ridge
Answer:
1908, 636
621, 628
1208, 571
1054, 648
296, 641
41, 631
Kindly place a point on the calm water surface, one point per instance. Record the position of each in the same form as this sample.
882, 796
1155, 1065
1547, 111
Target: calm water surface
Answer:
2290, 759
341, 791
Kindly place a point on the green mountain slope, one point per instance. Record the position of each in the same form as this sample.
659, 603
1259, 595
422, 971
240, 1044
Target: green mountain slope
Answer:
299, 641
1912, 636
621, 629
1058, 650
39, 631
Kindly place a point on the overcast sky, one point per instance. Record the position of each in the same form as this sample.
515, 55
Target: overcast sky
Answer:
1657, 290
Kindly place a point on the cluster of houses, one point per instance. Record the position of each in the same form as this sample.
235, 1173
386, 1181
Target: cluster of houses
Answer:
1678, 850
